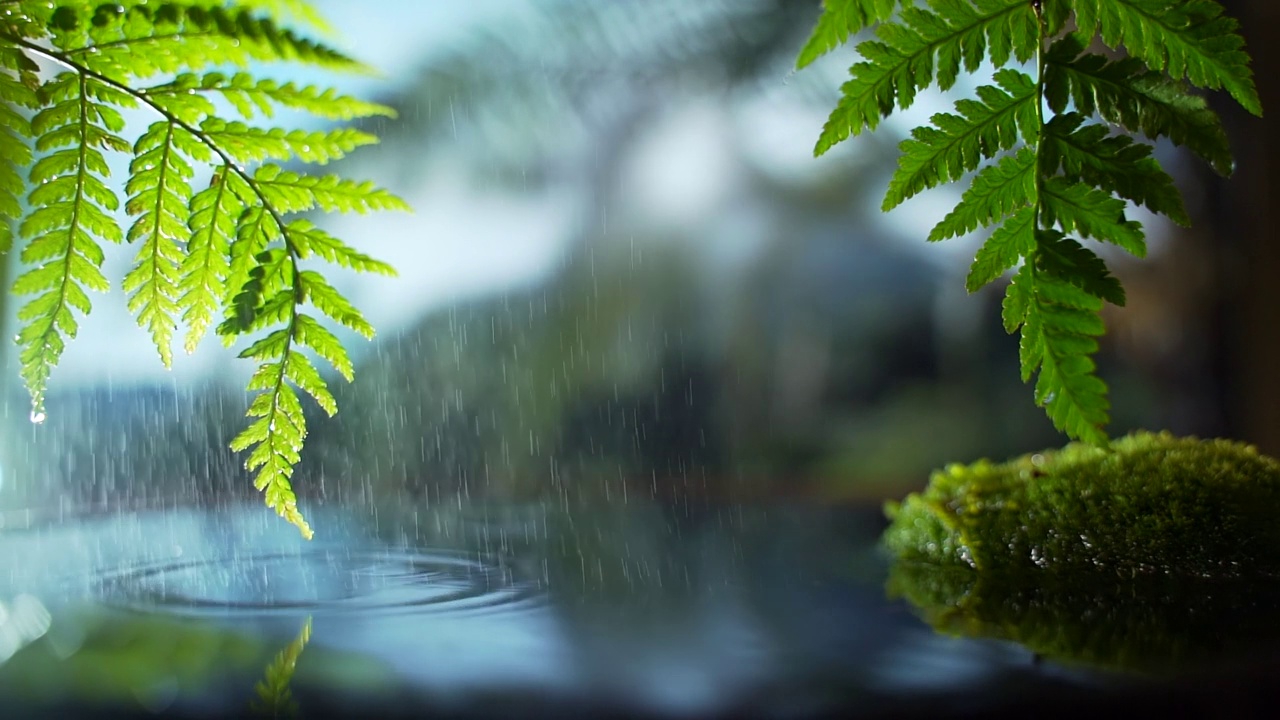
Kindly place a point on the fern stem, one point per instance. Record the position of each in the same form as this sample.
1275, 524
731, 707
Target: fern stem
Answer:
1040, 72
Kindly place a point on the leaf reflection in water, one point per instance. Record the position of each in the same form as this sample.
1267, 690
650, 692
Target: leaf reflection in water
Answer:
1144, 624
274, 696
22, 622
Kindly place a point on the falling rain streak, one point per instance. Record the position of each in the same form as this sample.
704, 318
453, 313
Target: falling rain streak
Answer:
645, 367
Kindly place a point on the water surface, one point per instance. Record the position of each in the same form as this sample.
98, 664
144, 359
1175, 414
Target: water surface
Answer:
485, 608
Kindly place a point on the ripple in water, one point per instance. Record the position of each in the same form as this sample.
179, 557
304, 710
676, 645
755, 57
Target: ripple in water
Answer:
321, 581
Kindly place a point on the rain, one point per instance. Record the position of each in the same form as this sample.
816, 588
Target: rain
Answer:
644, 379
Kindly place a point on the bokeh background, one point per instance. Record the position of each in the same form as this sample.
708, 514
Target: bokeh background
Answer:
626, 276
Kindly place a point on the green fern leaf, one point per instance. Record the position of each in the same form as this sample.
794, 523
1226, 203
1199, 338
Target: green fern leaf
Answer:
204, 269
272, 347
1059, 324
310, 240
1013, 240
1092, 213
143, 40
957, 144
253, 96
255, 229
72, 204
276, 439
247, 144
1190, 38
325, 344
300, 371
159, 191
229, 249
290, 192
922, 46
997, 190
326, 299
840, 20
1065, 258
299, 10
15, 134
1055, 14
1114, 163
1145, 102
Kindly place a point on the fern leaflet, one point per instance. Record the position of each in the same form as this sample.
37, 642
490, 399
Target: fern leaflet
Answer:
1190, 39
959, 143
840, 20
924, 45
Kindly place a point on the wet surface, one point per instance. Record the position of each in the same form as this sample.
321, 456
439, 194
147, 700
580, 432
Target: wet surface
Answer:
317, 581
490, 610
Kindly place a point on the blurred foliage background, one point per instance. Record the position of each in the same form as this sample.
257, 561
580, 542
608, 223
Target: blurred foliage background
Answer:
628, 278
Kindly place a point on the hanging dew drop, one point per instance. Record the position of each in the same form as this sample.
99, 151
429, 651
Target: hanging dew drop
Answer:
37, 417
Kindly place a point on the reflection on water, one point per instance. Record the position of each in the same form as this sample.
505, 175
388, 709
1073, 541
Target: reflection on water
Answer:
275, 698
507, 608
1146, 623
637, 606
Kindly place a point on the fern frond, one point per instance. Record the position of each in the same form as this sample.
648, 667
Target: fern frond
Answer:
159, 190
1114, 163
924, 45
996, 191
1092, 213
840, 20
1190, 38
204, 270
957, 144
230, 249
290, 192
276, 437
1145, 102
253, 96
72, 205
1059, 324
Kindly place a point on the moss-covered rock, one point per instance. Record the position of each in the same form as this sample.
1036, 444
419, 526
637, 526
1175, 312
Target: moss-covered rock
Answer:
1151, 503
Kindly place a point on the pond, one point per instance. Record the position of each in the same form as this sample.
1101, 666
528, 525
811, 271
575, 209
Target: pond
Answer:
531, 610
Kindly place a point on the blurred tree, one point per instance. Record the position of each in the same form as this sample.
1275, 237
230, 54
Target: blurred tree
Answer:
1246, 254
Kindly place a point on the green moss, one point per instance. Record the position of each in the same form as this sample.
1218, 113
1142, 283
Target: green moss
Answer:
1149, 504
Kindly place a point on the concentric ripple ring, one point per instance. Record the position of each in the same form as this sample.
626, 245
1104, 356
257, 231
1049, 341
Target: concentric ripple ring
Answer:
333, 580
